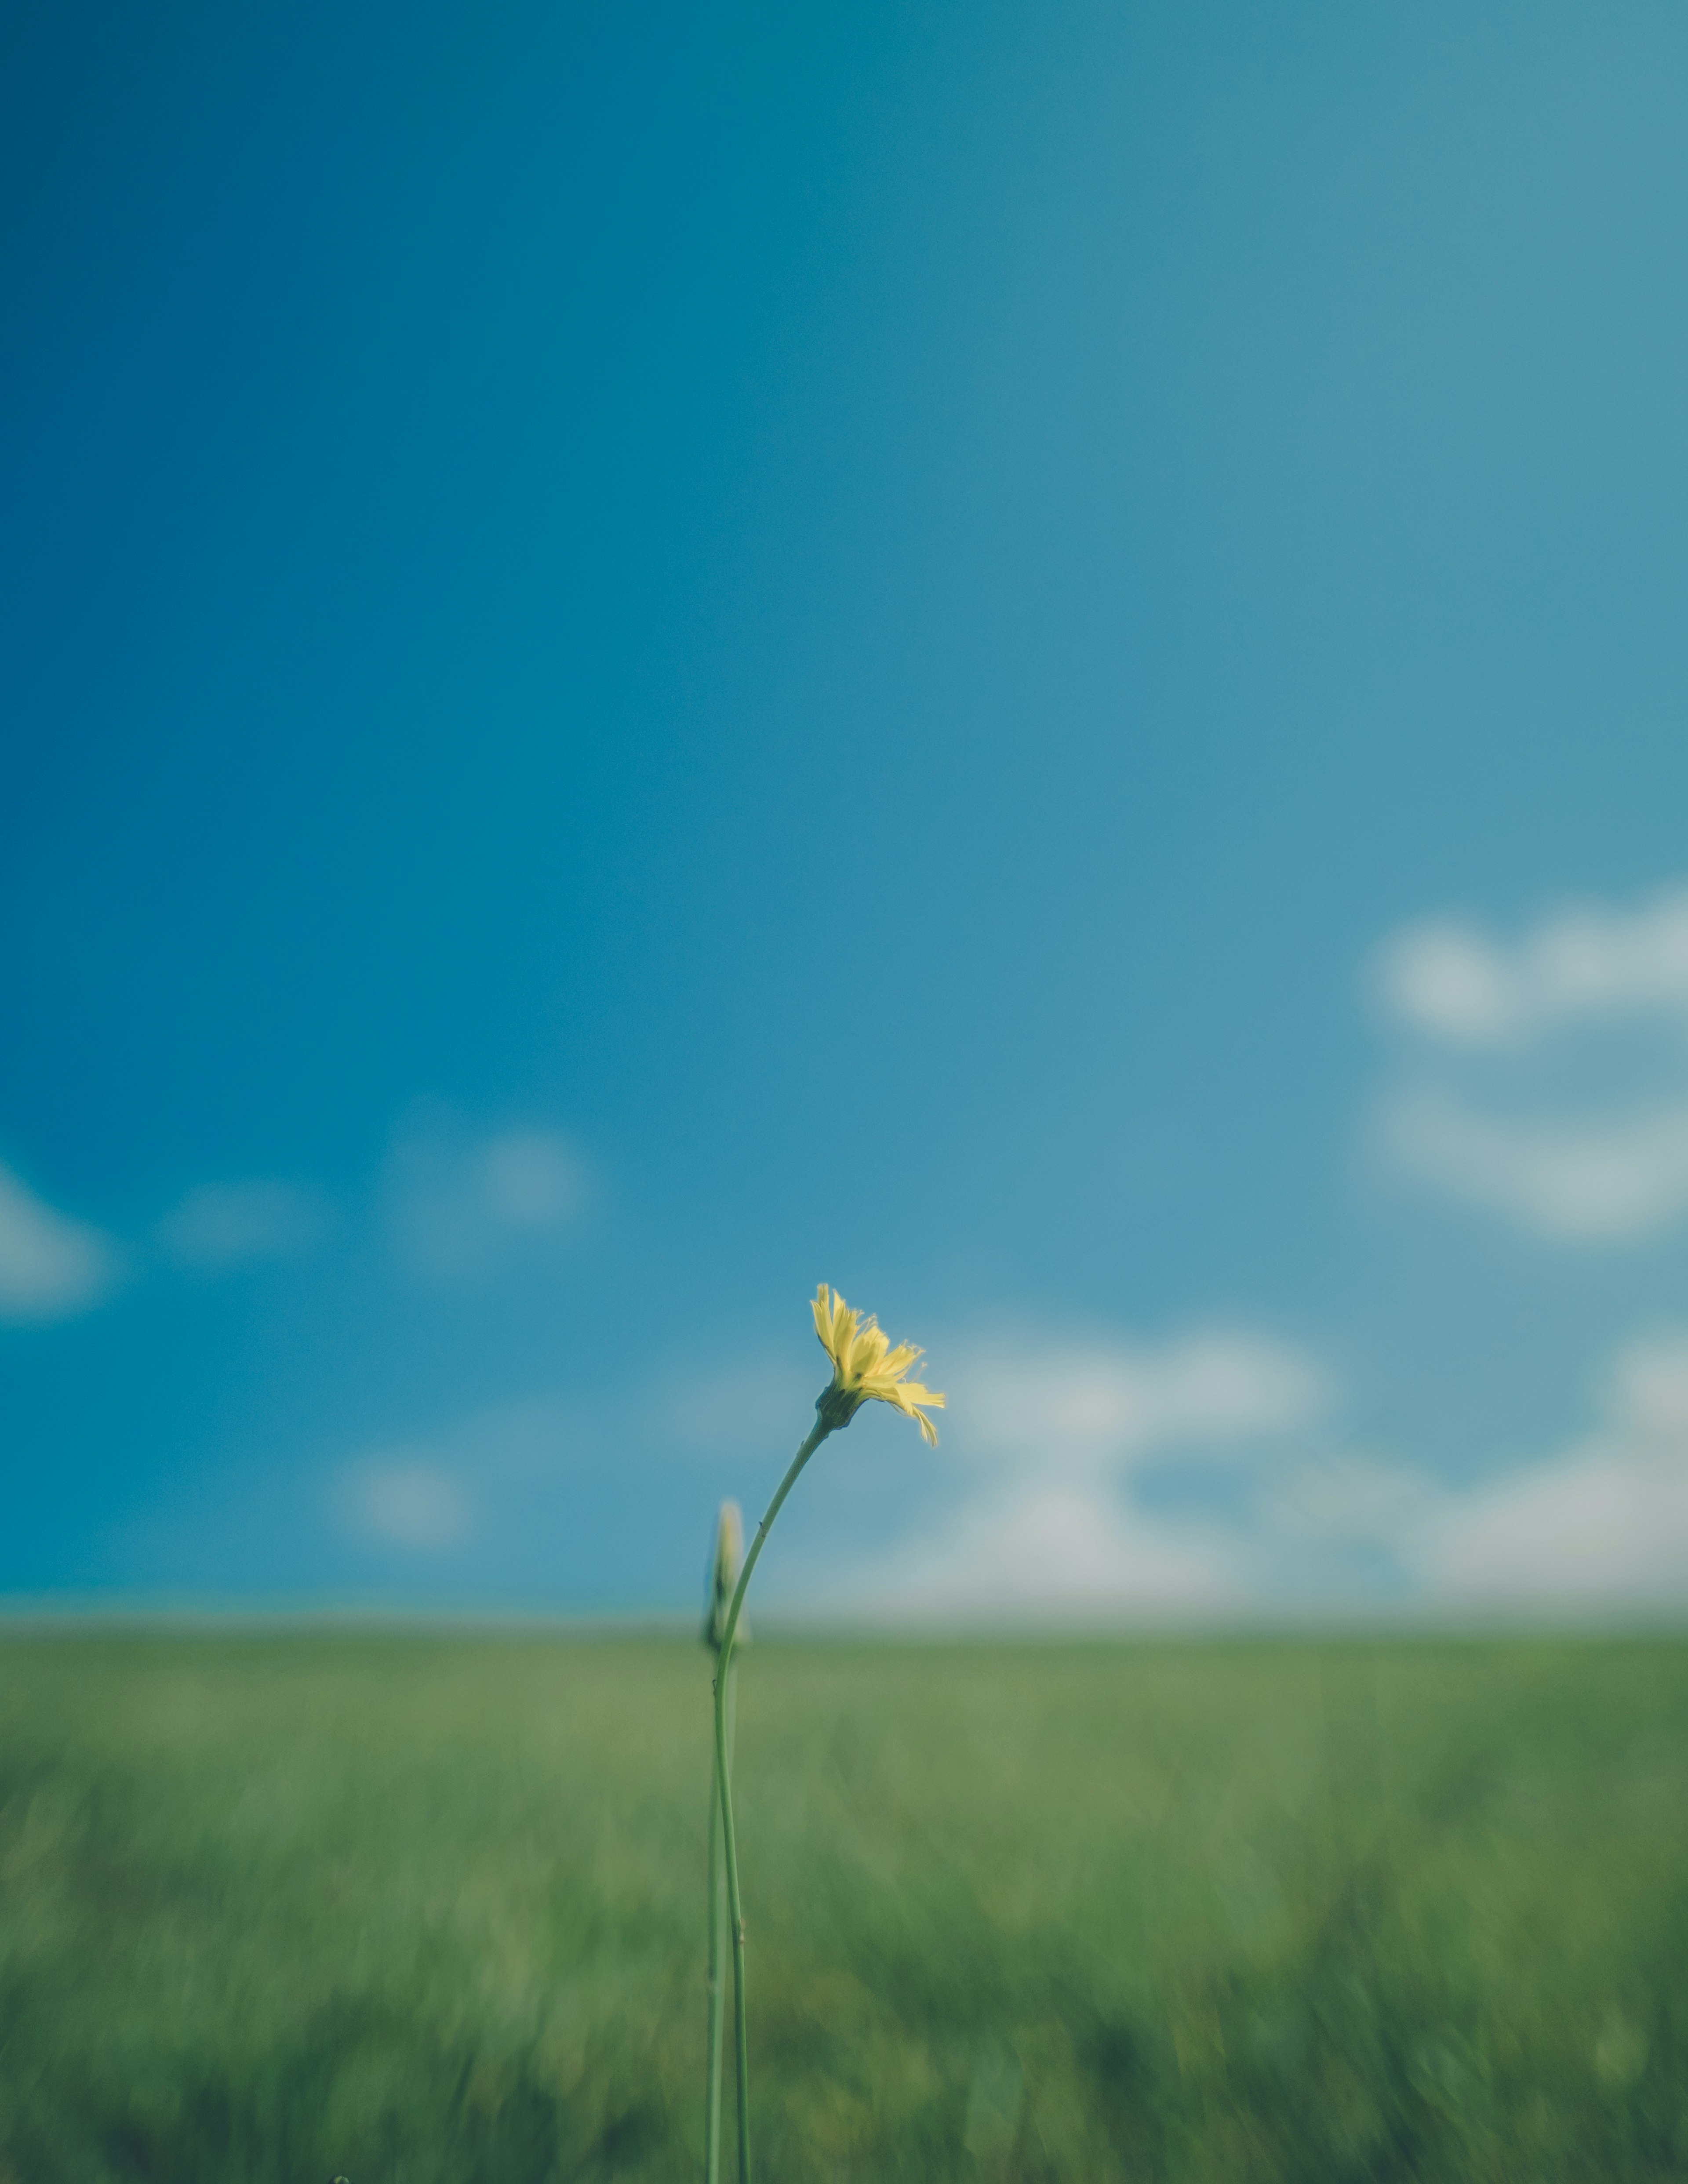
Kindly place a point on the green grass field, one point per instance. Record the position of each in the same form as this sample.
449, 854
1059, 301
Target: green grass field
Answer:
417, 1908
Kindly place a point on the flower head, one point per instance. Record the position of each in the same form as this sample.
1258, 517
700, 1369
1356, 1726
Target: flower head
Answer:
866, 1368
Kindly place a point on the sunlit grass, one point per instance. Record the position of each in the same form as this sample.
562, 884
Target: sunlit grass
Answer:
417, 1908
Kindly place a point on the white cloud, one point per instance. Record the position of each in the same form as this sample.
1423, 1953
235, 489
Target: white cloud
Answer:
409, 1503
1044, 1525
1081, 1408
1450, 982
1603, 1526
1053, 1532
428, 1495
460, 1205
51, 1267
1064, 1551
222, 1225
1351, 1498
1594, 1184
1559, 1168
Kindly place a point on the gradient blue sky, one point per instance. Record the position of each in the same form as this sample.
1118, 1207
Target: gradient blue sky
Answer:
651, 655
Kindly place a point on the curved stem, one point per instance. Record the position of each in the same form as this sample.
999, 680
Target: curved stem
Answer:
724, 1777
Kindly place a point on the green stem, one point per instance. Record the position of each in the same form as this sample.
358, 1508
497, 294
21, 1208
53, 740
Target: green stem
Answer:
724, 1777
717, 1966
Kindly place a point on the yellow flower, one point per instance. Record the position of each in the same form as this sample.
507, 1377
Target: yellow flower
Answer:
866, 1368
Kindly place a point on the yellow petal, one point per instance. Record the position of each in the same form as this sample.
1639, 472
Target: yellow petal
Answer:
835, 1323
870, 1351
845, 1339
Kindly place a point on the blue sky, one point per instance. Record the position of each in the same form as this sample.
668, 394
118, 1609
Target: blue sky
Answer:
1027, 659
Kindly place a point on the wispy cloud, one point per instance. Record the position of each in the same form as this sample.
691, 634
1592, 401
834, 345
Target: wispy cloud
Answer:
1602, 1525
1334, 1504
1045, 1444
1084, 1407
1061, 1550
1574, 1167
1605, 1183
408, 1503
51, 1267
1451, 981
459, 1204
228, 1225
436, 1492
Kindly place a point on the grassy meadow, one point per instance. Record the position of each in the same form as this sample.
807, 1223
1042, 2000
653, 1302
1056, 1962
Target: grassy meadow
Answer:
412, 1909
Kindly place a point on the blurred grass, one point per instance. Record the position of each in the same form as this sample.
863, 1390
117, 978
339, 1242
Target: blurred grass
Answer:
432, 1909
